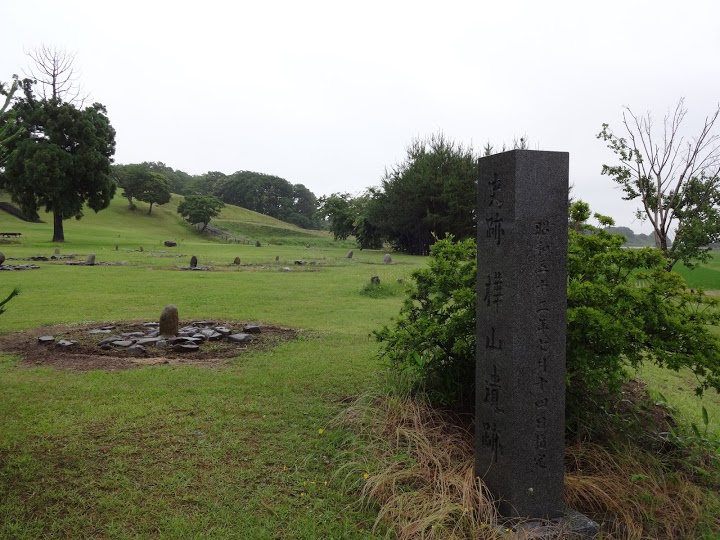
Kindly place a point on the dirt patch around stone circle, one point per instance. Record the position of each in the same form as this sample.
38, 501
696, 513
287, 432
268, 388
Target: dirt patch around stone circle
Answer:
86, 354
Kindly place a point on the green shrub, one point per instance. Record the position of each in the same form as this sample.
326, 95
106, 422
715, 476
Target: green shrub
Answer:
623, 309
432, 343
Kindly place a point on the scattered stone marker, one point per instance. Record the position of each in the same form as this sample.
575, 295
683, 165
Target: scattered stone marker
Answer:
257, 243
299, 262
349, 254
2, 258
521, 326
64, 343
387, 259
237, 260
170, 243
169, 321
44, 340
90, 261
277, 258
375, 280
193, 262
249, 328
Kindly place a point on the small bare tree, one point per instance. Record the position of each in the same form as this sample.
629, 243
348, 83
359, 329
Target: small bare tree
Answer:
56, 74
676, 179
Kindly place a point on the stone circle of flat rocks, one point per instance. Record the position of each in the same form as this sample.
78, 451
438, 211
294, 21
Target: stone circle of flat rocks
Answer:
12, 267
189, 339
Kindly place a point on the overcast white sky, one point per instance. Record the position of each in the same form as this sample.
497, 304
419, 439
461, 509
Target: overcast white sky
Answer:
329, 93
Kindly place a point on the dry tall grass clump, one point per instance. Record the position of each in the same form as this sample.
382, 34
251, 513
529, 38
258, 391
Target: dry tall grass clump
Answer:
634, 494
414, 464
419, 471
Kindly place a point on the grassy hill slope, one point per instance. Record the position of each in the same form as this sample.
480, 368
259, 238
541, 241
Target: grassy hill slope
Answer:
117, 225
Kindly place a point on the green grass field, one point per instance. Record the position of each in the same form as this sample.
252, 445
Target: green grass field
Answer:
242, 451
187, 452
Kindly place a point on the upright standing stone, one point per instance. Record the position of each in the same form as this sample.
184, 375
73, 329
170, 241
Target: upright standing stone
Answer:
387, 259
2, 258
90, 261
521, 318
349, 254
193, 261
169, 321
237, 260
57, 252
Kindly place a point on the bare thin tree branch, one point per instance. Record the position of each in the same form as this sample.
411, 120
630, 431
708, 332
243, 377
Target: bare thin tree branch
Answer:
675, 178
54, 70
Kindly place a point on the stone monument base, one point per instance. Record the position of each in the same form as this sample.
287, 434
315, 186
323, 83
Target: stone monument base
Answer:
573, 525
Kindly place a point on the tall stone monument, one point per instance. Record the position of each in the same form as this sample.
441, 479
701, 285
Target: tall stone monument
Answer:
521, 317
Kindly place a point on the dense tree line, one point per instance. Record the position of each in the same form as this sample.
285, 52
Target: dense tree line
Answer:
259, 192
266, 194
430, 193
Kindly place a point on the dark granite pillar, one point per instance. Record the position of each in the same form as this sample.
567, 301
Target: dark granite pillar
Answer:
521, 304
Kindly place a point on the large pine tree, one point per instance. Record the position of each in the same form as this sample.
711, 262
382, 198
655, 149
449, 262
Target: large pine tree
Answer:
61, 161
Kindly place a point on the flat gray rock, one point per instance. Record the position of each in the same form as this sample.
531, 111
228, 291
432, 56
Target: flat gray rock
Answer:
44, 340
147, 341
240, 338
122, 343
136, 350
64, 343
99, 331
252, 329
182, 347
223, 330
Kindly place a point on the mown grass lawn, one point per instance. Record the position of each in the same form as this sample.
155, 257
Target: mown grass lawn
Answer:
186, 452
242, 451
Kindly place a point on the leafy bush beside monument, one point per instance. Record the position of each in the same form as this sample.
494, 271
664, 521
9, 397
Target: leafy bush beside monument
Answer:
624, 309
